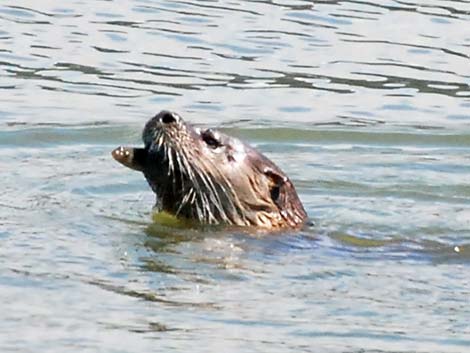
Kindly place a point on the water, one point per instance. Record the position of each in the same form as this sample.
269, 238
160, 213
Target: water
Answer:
364, 104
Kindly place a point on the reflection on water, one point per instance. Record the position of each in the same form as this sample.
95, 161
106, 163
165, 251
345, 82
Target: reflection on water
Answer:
364, 104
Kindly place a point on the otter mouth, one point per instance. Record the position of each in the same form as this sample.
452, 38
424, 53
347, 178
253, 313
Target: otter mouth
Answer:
210, 177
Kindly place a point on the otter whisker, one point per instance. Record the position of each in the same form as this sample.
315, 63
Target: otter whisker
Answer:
171, 167
189, 170
232, 197
200, 216
181, 169
160, 141
213, 194
210, 216
199, 195
185, 200
235, 201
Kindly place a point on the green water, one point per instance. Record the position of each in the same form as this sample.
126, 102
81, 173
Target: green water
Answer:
365, 105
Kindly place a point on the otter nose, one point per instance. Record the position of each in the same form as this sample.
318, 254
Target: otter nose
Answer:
168, 117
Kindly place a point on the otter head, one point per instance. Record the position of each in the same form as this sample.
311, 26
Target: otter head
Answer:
212, 178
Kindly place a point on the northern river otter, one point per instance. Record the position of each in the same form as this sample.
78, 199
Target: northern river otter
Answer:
212, 178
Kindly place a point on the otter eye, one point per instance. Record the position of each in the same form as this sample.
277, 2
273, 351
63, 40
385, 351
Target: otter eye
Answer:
211, 139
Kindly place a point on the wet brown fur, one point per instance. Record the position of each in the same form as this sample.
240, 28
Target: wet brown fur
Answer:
212, 178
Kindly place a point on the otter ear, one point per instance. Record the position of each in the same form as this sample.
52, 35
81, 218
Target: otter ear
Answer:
277, 182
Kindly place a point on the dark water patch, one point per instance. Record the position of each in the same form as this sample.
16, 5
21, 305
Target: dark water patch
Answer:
83, 87
147, 327
356, 137
151, 297
392, 337
109, 50
230, 9
29, 12
61, 135
401, 247
119, 23
379, 81
87, 70
423, 48
102, 132
24, 21
173, 56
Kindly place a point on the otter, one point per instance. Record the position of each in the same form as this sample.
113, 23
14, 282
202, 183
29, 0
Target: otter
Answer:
209, 177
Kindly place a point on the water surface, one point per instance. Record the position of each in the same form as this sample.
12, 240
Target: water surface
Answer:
364, 104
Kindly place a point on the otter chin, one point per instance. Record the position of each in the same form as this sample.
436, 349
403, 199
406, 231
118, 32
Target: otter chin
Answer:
209, 177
